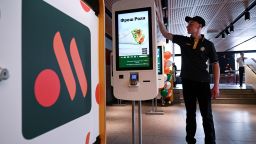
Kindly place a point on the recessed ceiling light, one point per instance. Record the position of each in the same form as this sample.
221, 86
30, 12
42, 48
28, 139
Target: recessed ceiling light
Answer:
247, 15
231, 28
223, 35
227, 32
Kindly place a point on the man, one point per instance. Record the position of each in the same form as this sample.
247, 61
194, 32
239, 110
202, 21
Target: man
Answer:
196, 51
240, 62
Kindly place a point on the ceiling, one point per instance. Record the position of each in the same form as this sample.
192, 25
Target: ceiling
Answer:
218, 14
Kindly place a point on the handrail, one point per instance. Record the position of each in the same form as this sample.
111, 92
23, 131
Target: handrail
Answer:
252, 69
254, 60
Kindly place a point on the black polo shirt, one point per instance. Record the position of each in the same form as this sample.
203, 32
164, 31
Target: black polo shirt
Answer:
194, 61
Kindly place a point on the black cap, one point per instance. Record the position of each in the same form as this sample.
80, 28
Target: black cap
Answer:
198, 19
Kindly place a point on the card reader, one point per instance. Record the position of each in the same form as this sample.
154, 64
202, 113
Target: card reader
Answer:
134, 78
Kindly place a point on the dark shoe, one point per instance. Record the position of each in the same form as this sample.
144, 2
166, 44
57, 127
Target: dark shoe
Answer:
191, 140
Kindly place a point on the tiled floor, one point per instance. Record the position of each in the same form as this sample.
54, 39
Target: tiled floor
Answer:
234, 124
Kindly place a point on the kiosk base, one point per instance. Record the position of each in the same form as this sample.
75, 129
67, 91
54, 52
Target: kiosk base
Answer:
154, 110
119, 103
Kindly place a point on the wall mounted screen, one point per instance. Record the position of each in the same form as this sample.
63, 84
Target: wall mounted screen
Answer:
159, 60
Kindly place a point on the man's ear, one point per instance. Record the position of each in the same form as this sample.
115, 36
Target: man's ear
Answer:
200, 27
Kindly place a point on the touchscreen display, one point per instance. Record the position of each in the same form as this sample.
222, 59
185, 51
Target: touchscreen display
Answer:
159, 60
133, 39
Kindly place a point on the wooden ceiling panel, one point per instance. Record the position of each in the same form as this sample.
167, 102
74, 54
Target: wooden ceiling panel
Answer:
178, 15
208, 2
181, 3
179, 29
230, 11
207, 11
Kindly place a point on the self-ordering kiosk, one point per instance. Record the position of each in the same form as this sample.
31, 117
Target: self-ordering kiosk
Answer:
135, 73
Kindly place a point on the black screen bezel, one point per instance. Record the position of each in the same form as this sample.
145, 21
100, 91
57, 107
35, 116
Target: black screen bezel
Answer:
161, 59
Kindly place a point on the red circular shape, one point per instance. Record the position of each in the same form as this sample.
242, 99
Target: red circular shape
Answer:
47, 88
167, 55
167, 70
85, 6
97, 93
87, 140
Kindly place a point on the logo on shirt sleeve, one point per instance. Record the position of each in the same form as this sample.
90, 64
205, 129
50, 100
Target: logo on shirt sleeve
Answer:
202, 49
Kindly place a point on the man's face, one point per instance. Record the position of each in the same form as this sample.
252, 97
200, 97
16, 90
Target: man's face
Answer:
193, 27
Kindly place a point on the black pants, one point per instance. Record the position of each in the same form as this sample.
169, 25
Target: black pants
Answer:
198, 91
241, 75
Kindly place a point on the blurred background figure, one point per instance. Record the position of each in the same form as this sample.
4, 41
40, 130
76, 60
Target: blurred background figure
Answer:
240, 62
228, 71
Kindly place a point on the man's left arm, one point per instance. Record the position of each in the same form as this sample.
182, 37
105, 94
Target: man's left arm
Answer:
216, 75
213, 57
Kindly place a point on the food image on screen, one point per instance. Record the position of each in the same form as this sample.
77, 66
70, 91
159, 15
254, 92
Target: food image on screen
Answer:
134, 39
138, 36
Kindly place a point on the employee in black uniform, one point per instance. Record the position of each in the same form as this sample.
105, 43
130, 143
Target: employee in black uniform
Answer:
240, 62
196, 50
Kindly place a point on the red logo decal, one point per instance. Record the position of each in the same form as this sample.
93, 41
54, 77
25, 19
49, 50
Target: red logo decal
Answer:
47, 84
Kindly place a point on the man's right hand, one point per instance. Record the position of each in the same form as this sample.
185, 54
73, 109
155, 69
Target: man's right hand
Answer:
162, 27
